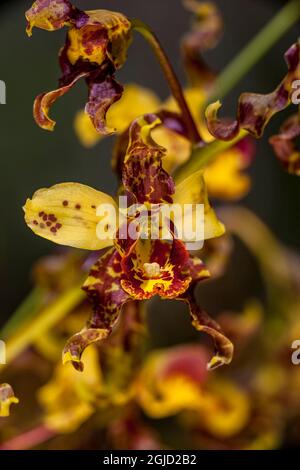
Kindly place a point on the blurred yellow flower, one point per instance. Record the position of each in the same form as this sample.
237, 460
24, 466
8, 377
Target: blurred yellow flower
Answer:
69, 398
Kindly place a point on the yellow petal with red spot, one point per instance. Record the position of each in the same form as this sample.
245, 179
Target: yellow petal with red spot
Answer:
67, 214
135, 102
104, 34
193, 190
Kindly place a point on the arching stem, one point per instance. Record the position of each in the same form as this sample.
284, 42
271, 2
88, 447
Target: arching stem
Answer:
171, 78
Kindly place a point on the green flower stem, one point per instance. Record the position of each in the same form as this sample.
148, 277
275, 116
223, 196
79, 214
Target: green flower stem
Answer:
170, 76
26, 311
46, 319
201, 157
256, 49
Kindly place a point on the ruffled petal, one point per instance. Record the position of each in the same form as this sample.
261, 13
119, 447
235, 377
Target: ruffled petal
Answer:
135, 102
102, 94
107, 297
255, 110
76, 345
284, 145
143, 174
171, 134
67, 214
49, 15
7, 398
44, 101
103, 35
202, 322
96, 46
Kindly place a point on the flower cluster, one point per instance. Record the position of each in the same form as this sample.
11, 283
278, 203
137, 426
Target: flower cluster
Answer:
167, 152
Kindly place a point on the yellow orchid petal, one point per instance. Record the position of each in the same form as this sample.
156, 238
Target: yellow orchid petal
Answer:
193, 190
224, 178
226, 409
135, 102
68, 398
90, 43
49, 16
165, 386
67, 215
85, 130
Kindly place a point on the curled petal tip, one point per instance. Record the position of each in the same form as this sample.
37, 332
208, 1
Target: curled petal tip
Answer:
218, 361
76, 345
74, 360
7, 398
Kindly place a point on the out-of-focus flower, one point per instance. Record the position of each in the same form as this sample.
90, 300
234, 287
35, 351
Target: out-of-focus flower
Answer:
7, 398
56, 272
225, 177
170, 381
284, 144
206, 31
96, 46
216, 254
255, 110
225, 409
135, 268
176, 381
243, 326
69, 398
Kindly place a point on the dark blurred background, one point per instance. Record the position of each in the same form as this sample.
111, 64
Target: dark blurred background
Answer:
32, 158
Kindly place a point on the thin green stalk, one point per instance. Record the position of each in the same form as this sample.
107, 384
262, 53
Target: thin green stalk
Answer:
256, 49
45, 320
170, 76
201, 157
26, 311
